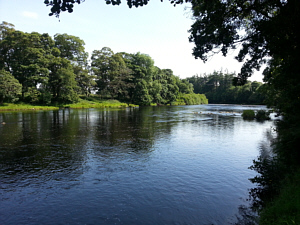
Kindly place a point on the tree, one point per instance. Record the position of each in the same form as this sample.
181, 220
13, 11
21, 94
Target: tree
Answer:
142, 67
184, 86
6, 29
219, 24
10, 87
103, 67
170, 90
266, 30
218, 87
62, 84
71, 48
67, 5
24, 55
122, 79
85, 81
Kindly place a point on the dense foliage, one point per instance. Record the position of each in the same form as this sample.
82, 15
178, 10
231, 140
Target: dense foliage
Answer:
9, 87
218, 88
39, 69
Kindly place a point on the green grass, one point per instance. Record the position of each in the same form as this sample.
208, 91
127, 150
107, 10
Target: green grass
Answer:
96, 104
91, 102
285, 208
23, 106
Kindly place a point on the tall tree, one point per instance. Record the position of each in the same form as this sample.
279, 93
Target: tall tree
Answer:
171, 89
102, 66
62, 83
122, 79
25, 57
72, 48
142, 67
6, 30
85, 81
10, 87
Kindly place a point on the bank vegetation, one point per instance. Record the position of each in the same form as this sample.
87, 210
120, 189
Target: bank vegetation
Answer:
37, 69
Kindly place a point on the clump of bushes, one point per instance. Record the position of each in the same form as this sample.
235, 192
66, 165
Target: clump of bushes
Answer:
248, 114
259, 115
190, 99
262, 115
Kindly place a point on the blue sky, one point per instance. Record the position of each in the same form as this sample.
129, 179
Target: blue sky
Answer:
158, 29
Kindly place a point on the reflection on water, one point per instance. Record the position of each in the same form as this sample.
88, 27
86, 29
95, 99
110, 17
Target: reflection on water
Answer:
152, 165
248, 214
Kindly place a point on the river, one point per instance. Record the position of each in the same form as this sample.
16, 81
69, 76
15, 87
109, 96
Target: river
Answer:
147, 165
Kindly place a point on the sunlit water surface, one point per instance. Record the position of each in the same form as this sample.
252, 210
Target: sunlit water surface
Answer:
152, 165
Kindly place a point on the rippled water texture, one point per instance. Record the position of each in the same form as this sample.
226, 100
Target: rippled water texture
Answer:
152, 165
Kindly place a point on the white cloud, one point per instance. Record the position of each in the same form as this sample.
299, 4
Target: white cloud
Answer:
31, 15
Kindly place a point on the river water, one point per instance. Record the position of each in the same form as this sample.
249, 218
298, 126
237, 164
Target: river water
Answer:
148, 165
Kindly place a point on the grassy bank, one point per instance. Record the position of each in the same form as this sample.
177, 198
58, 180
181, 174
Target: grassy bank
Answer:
81, 104
284, 209
23, 106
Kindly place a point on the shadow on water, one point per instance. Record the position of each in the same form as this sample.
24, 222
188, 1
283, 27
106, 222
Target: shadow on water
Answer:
264, 166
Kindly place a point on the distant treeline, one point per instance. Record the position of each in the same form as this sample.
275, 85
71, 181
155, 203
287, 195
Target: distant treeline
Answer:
218, 88
37, 68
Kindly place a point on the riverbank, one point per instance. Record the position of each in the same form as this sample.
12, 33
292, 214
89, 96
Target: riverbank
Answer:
277, 195
83, 103
284, 208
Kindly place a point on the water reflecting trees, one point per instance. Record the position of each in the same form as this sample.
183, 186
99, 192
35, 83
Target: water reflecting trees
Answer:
147, 158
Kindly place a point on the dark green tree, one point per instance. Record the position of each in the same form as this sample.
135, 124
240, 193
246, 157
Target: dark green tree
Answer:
266, 30
102, 66
184, 86
219, 88
25, 57
6, 30
71, 48
85, 81
10, 87
143, 69
62, 83
122, 81
171, 90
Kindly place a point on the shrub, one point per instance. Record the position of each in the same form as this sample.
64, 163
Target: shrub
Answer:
190, 99
248, 114
262, 115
